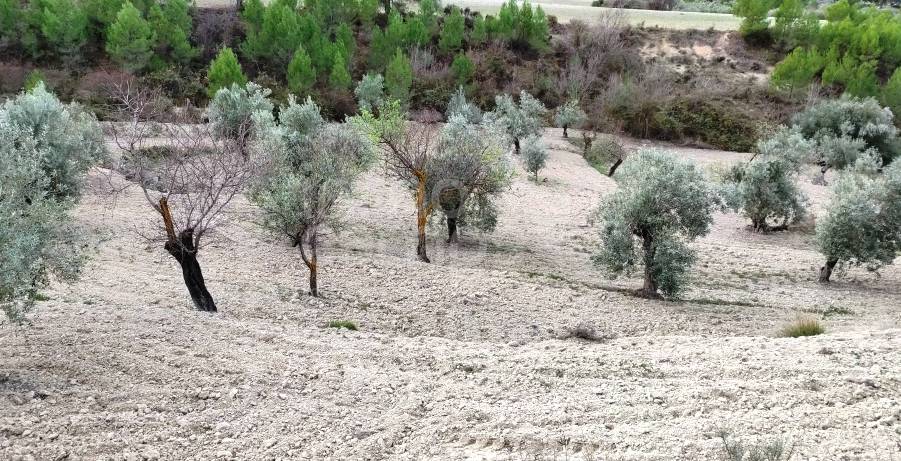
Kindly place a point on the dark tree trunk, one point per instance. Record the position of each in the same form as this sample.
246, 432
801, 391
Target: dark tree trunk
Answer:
184, 252
422, 218
516, 145
565, 134
310, 260
421, 247
826, 271
451, 230
613, 167
649, 290
586, 144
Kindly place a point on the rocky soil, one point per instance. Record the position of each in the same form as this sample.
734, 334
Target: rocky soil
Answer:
470, 357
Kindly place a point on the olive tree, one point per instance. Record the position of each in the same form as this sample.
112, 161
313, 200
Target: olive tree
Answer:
408, 149
569, 115
310, 172
661, 205
189, 176
459, 105
847, 130
232, 110
370, 92
534, 154
519, 120
469, 169
862, 225
47, 148
765, 189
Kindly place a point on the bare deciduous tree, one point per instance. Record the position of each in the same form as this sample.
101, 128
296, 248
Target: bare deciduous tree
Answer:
189, 175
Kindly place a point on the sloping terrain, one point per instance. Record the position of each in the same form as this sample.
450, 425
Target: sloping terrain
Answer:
465, 358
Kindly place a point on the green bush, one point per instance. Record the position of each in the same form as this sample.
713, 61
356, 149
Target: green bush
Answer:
709, 122
755, 25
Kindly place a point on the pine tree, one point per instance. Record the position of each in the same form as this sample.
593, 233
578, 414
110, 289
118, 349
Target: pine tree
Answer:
452, 32
64, 26
797, 70
399, 77
463, 69
891, 93
172, 23
301, 74
340, 77
224, 71
130, 39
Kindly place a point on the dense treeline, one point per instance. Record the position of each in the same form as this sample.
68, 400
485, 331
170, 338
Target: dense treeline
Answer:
857, 50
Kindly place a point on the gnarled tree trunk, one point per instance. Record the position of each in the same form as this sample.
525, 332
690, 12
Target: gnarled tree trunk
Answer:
182, 248
311, 235
826, 271
422, 218
613, 167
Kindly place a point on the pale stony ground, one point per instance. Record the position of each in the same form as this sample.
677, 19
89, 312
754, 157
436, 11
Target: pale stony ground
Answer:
464, 358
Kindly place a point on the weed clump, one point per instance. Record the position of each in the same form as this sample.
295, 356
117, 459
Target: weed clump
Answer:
802, 326
348, 324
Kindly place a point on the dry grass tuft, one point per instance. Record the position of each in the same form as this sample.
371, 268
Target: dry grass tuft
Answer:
803, 326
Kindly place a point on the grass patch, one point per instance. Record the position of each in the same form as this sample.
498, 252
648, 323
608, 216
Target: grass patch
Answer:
765, 450
802, 326
40, 297
343, 324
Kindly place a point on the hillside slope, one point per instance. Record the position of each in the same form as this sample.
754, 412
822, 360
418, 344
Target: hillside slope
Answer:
466, 358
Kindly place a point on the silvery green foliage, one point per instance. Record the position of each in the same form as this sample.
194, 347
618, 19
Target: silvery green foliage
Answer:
861, 226
301, 119
310, 174
519, 121
534, 154
789, 145
313, 166
67, 139
370, 92
765, 190
662, 203
569, 115
458, 105
845, 129
37, 189
234, 111
469, 169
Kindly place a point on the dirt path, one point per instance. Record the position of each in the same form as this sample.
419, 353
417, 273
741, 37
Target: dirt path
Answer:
460, 359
